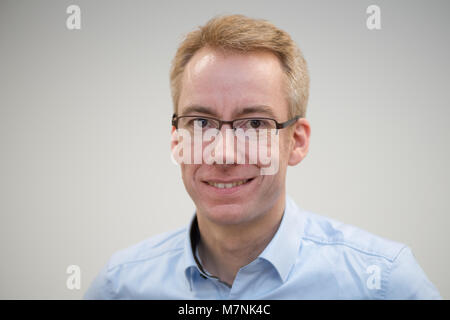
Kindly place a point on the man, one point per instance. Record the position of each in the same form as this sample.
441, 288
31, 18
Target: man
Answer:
247, 238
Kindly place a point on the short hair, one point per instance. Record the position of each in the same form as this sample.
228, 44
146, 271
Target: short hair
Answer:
242, 34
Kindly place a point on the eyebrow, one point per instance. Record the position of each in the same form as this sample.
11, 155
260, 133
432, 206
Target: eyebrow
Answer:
198, 109
242, 112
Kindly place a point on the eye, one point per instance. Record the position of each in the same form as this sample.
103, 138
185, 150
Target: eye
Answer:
201, 122
255, 123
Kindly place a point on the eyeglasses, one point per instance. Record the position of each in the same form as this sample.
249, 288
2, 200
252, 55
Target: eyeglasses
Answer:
205, 123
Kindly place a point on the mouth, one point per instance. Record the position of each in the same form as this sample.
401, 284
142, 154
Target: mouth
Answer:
230, 186
222, 185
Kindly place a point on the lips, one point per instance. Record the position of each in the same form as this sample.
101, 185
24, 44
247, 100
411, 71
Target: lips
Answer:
228, 185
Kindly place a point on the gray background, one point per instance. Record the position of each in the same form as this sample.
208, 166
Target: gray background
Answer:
85, 164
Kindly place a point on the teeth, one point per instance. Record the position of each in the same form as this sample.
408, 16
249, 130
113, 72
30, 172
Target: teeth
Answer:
226, 185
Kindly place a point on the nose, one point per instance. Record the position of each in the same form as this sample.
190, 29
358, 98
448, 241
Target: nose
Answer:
228, 144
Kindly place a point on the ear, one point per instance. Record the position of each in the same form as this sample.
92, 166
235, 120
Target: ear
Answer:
300, 141
174, 140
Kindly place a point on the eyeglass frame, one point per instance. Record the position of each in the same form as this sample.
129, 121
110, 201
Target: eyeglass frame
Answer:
279, 125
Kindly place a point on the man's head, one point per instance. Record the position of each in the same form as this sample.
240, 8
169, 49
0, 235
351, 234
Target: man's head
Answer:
236, 67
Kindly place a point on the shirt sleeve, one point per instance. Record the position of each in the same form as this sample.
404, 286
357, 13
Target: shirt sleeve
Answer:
100, 288
407, 280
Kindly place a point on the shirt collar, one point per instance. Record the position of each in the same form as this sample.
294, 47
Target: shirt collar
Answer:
281, 252
191, 264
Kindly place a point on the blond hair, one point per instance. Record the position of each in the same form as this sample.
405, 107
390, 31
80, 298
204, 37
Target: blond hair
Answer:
242, 34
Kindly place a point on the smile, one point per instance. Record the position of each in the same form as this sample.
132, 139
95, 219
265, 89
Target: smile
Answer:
228, 185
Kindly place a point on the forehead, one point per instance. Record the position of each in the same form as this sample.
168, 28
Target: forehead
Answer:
227, 82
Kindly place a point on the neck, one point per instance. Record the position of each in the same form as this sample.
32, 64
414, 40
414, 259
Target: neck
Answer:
224, 249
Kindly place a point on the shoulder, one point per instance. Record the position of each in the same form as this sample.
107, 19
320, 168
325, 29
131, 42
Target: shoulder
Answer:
128, 269
326, 231
150, 249
388, 269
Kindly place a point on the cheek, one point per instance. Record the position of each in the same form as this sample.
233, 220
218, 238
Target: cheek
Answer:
273, 152
188, 172
285, 146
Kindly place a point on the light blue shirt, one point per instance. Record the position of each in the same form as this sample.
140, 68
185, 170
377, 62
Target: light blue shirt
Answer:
309, 257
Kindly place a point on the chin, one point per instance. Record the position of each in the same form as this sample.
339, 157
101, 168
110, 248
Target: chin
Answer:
227, 214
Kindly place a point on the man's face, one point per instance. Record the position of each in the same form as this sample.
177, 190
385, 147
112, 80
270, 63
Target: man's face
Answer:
227, 86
